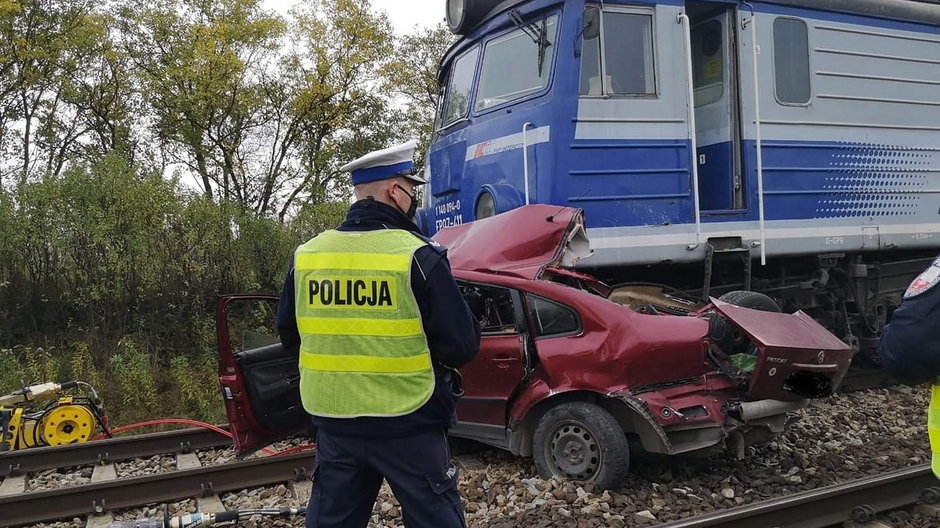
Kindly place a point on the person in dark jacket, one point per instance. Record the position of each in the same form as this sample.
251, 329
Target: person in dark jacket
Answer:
380, 328
910, 343
910, 346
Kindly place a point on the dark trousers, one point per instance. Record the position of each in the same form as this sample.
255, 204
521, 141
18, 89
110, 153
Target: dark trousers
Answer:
349, 471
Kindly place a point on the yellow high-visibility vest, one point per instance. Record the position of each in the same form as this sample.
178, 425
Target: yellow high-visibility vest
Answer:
933, 426
363, 349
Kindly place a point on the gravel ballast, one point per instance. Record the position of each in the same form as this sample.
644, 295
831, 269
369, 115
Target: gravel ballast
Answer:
845, 437
839, 439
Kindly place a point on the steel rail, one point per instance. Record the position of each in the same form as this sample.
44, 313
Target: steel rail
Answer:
865, 378
30, 460
74, 501
828, 506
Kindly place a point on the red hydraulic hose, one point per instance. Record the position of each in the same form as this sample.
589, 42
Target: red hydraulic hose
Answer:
161, 421
186, 421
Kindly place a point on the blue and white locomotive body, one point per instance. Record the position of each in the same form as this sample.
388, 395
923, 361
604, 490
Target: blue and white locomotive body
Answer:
776, 129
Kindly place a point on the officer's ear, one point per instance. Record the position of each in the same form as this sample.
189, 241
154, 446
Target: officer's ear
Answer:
389, 189
394, 185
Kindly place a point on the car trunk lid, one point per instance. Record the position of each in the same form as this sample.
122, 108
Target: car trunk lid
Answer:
796, 356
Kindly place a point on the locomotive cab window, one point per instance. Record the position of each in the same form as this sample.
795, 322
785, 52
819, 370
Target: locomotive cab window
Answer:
617, 59
457, 93
517, 64
791, 61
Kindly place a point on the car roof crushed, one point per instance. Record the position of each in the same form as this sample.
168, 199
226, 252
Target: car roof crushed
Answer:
521, 242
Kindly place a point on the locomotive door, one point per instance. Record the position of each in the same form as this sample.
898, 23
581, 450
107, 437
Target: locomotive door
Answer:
717, 133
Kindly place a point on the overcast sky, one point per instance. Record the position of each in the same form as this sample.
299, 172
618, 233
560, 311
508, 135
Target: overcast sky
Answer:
404, 14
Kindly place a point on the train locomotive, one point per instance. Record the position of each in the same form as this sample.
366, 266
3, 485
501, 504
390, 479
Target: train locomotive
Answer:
786, 146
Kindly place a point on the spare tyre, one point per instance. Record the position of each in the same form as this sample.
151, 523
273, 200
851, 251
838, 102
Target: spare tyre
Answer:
723, 333
750, 299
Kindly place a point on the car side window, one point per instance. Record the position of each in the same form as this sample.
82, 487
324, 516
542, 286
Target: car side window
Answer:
492, 306
551, 318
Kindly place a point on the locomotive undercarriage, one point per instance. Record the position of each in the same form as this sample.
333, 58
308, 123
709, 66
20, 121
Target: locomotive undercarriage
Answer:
851, 294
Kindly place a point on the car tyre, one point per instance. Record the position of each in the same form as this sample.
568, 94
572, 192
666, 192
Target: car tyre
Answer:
750, 299
581, 441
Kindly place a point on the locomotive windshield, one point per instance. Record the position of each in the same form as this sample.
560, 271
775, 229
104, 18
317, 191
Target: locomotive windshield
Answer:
514, 64
457, 93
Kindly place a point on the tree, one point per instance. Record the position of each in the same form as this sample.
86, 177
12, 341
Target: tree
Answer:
201, 62
412, 75
332, 70
43, 43
106, 102
258, 109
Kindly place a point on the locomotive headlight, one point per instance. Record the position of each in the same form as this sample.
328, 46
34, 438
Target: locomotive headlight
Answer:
485, 206
464, 15
456, 10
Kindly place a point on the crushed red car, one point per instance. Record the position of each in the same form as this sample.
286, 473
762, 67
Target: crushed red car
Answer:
573, 372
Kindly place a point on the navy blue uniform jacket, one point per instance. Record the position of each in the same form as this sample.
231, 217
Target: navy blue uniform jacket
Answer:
910, 343
453, 332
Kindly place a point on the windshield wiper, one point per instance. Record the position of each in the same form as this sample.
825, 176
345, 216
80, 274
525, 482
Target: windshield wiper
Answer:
539, 37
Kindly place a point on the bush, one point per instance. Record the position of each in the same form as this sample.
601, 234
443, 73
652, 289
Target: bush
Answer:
114, 272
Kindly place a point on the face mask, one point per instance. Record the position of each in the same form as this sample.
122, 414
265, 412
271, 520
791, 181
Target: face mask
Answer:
413, 208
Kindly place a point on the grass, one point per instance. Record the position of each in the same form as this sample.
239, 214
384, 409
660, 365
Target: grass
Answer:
135, 380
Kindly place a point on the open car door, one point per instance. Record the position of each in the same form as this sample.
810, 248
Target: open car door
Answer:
260, 380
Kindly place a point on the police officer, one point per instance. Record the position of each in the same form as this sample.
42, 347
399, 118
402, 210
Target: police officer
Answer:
380, 325
910, 346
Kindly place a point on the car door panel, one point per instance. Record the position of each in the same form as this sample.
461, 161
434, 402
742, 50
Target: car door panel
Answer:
258, 378
490, 380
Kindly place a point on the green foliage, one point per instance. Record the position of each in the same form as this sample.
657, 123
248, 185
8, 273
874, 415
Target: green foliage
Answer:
108, 267
412, 74
134, 372
42, 365
199, 392
82, 366
13, 372
135, 383
110, 250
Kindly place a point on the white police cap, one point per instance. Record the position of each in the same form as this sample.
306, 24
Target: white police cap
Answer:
384, 164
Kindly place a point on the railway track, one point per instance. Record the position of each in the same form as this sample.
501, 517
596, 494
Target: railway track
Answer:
107, 492
863, 378
830, 506
859, 499
17, 463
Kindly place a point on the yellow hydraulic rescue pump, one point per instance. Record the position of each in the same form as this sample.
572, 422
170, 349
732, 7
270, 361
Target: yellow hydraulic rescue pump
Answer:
29, 419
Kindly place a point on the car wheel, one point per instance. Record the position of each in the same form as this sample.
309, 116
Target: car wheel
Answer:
749, 299
581, 441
